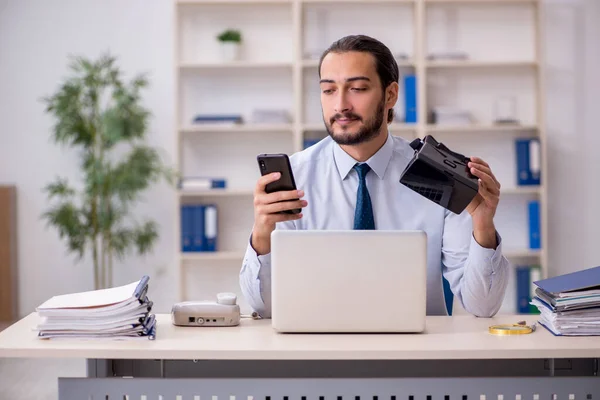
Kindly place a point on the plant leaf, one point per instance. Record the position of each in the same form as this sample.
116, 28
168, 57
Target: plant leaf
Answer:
145, 236
126, 120
59, 188
140, 168
121, 240
66, 218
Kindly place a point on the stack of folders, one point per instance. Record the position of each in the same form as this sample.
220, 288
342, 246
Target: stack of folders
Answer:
119, 313
570, 304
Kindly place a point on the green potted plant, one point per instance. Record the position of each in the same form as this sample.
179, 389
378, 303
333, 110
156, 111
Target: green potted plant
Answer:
101, 117
230, 41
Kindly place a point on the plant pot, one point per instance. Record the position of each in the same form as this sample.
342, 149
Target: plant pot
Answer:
230, 51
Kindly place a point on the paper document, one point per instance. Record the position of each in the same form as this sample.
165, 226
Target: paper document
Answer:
569, 304
94, 298
122, 312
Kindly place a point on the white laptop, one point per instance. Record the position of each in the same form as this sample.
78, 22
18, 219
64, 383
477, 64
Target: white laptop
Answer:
348, 281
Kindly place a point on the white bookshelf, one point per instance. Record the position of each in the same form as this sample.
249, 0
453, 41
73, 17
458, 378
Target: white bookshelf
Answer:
239, 66
196, 194
216, 256
248, 128
283, 40
479, 128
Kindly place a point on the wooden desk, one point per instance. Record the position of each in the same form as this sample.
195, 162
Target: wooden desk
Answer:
455, 355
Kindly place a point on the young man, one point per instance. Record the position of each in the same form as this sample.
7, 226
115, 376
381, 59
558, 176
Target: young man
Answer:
350, 180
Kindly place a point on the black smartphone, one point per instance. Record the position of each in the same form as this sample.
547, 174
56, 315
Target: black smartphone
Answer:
269, 163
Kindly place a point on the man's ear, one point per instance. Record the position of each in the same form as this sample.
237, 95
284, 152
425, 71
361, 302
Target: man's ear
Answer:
391, 94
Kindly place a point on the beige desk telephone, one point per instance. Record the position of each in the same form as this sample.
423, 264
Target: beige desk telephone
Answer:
224, 312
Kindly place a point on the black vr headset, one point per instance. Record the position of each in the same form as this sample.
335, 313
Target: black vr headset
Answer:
440, 175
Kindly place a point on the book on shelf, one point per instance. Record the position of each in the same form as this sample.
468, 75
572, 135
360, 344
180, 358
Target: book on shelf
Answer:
222, 119
569, 304
199, 228
448, 56
117, 313
202, 183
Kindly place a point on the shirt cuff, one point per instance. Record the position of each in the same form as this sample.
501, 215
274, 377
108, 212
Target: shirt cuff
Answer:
264, 260
490, 258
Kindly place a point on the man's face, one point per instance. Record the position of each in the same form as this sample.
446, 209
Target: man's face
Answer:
352, 100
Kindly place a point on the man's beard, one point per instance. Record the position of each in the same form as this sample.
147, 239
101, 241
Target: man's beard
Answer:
369, 131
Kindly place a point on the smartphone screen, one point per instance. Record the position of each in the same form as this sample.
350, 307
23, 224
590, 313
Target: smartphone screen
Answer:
269, 163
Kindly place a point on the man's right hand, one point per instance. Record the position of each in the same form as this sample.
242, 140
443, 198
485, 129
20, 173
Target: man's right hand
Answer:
266, 211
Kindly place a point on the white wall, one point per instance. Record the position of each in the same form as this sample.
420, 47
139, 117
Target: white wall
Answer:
573, 86
37, 36
35, 39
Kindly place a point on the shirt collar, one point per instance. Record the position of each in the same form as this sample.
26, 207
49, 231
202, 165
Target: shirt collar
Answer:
378, 162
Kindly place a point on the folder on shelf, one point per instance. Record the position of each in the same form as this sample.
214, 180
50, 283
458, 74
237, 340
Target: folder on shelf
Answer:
199, 228
187, 229
528, 161
410, 102
122, 312
210, 227
202, 183
309, 142
198, 223
533, 209
526, 275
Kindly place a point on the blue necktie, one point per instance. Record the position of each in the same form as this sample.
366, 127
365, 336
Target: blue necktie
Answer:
363, 214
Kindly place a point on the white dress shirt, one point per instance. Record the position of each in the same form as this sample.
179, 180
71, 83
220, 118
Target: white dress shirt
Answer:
477, 276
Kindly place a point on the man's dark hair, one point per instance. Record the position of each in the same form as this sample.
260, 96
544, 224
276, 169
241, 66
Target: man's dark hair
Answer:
385, 63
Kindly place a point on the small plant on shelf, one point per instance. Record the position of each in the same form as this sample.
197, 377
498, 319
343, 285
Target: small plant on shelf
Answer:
230, 40
230, 35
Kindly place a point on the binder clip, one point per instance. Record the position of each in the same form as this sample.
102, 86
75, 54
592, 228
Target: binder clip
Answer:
440, 175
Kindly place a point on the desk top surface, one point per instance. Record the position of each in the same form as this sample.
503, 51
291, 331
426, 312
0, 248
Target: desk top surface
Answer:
458, 337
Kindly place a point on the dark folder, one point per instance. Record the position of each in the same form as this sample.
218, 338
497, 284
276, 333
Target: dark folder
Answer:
586, 279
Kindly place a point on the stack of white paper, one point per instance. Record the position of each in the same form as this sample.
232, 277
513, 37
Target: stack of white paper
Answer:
116, 313
576, 313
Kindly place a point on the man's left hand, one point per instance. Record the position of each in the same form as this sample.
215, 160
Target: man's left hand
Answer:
483, 207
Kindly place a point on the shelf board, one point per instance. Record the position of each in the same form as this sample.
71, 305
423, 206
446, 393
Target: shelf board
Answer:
235, 65
249, 128
236, 2
394, 128
239, 255
400, 127
215, 193
522, 253
252, 2
315, 63
212, 256
521, 190
432, 128
358, 1
313, 127
479, 64
481, 1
